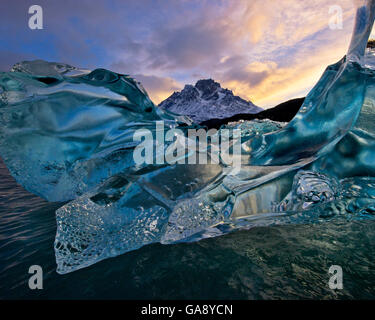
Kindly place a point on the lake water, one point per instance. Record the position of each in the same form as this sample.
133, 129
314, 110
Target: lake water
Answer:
279, 262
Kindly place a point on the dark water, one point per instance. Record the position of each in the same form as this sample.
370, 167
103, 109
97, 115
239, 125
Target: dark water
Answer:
281, 262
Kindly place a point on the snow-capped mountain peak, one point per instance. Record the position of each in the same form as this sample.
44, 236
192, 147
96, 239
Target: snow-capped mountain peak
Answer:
207, 100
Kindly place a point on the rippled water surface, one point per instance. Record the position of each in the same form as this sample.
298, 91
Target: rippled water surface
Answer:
287, 262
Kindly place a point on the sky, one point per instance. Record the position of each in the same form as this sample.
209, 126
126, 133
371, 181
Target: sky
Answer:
266, 51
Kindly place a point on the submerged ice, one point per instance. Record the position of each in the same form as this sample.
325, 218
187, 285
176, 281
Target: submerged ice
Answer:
67, 134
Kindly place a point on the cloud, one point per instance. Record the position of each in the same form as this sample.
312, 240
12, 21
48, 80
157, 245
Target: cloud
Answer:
285, 48
262, 50
267, 83
187, 47
158, 88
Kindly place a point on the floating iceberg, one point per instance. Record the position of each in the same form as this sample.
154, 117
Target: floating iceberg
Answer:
68, 134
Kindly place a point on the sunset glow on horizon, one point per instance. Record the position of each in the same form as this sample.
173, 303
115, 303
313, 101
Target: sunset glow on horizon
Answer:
263, 51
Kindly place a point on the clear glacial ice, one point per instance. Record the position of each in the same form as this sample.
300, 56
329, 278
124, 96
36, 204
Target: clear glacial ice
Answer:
67, 135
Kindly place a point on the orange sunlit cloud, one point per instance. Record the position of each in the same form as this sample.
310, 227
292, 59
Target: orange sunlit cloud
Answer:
276, 51
264, 50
